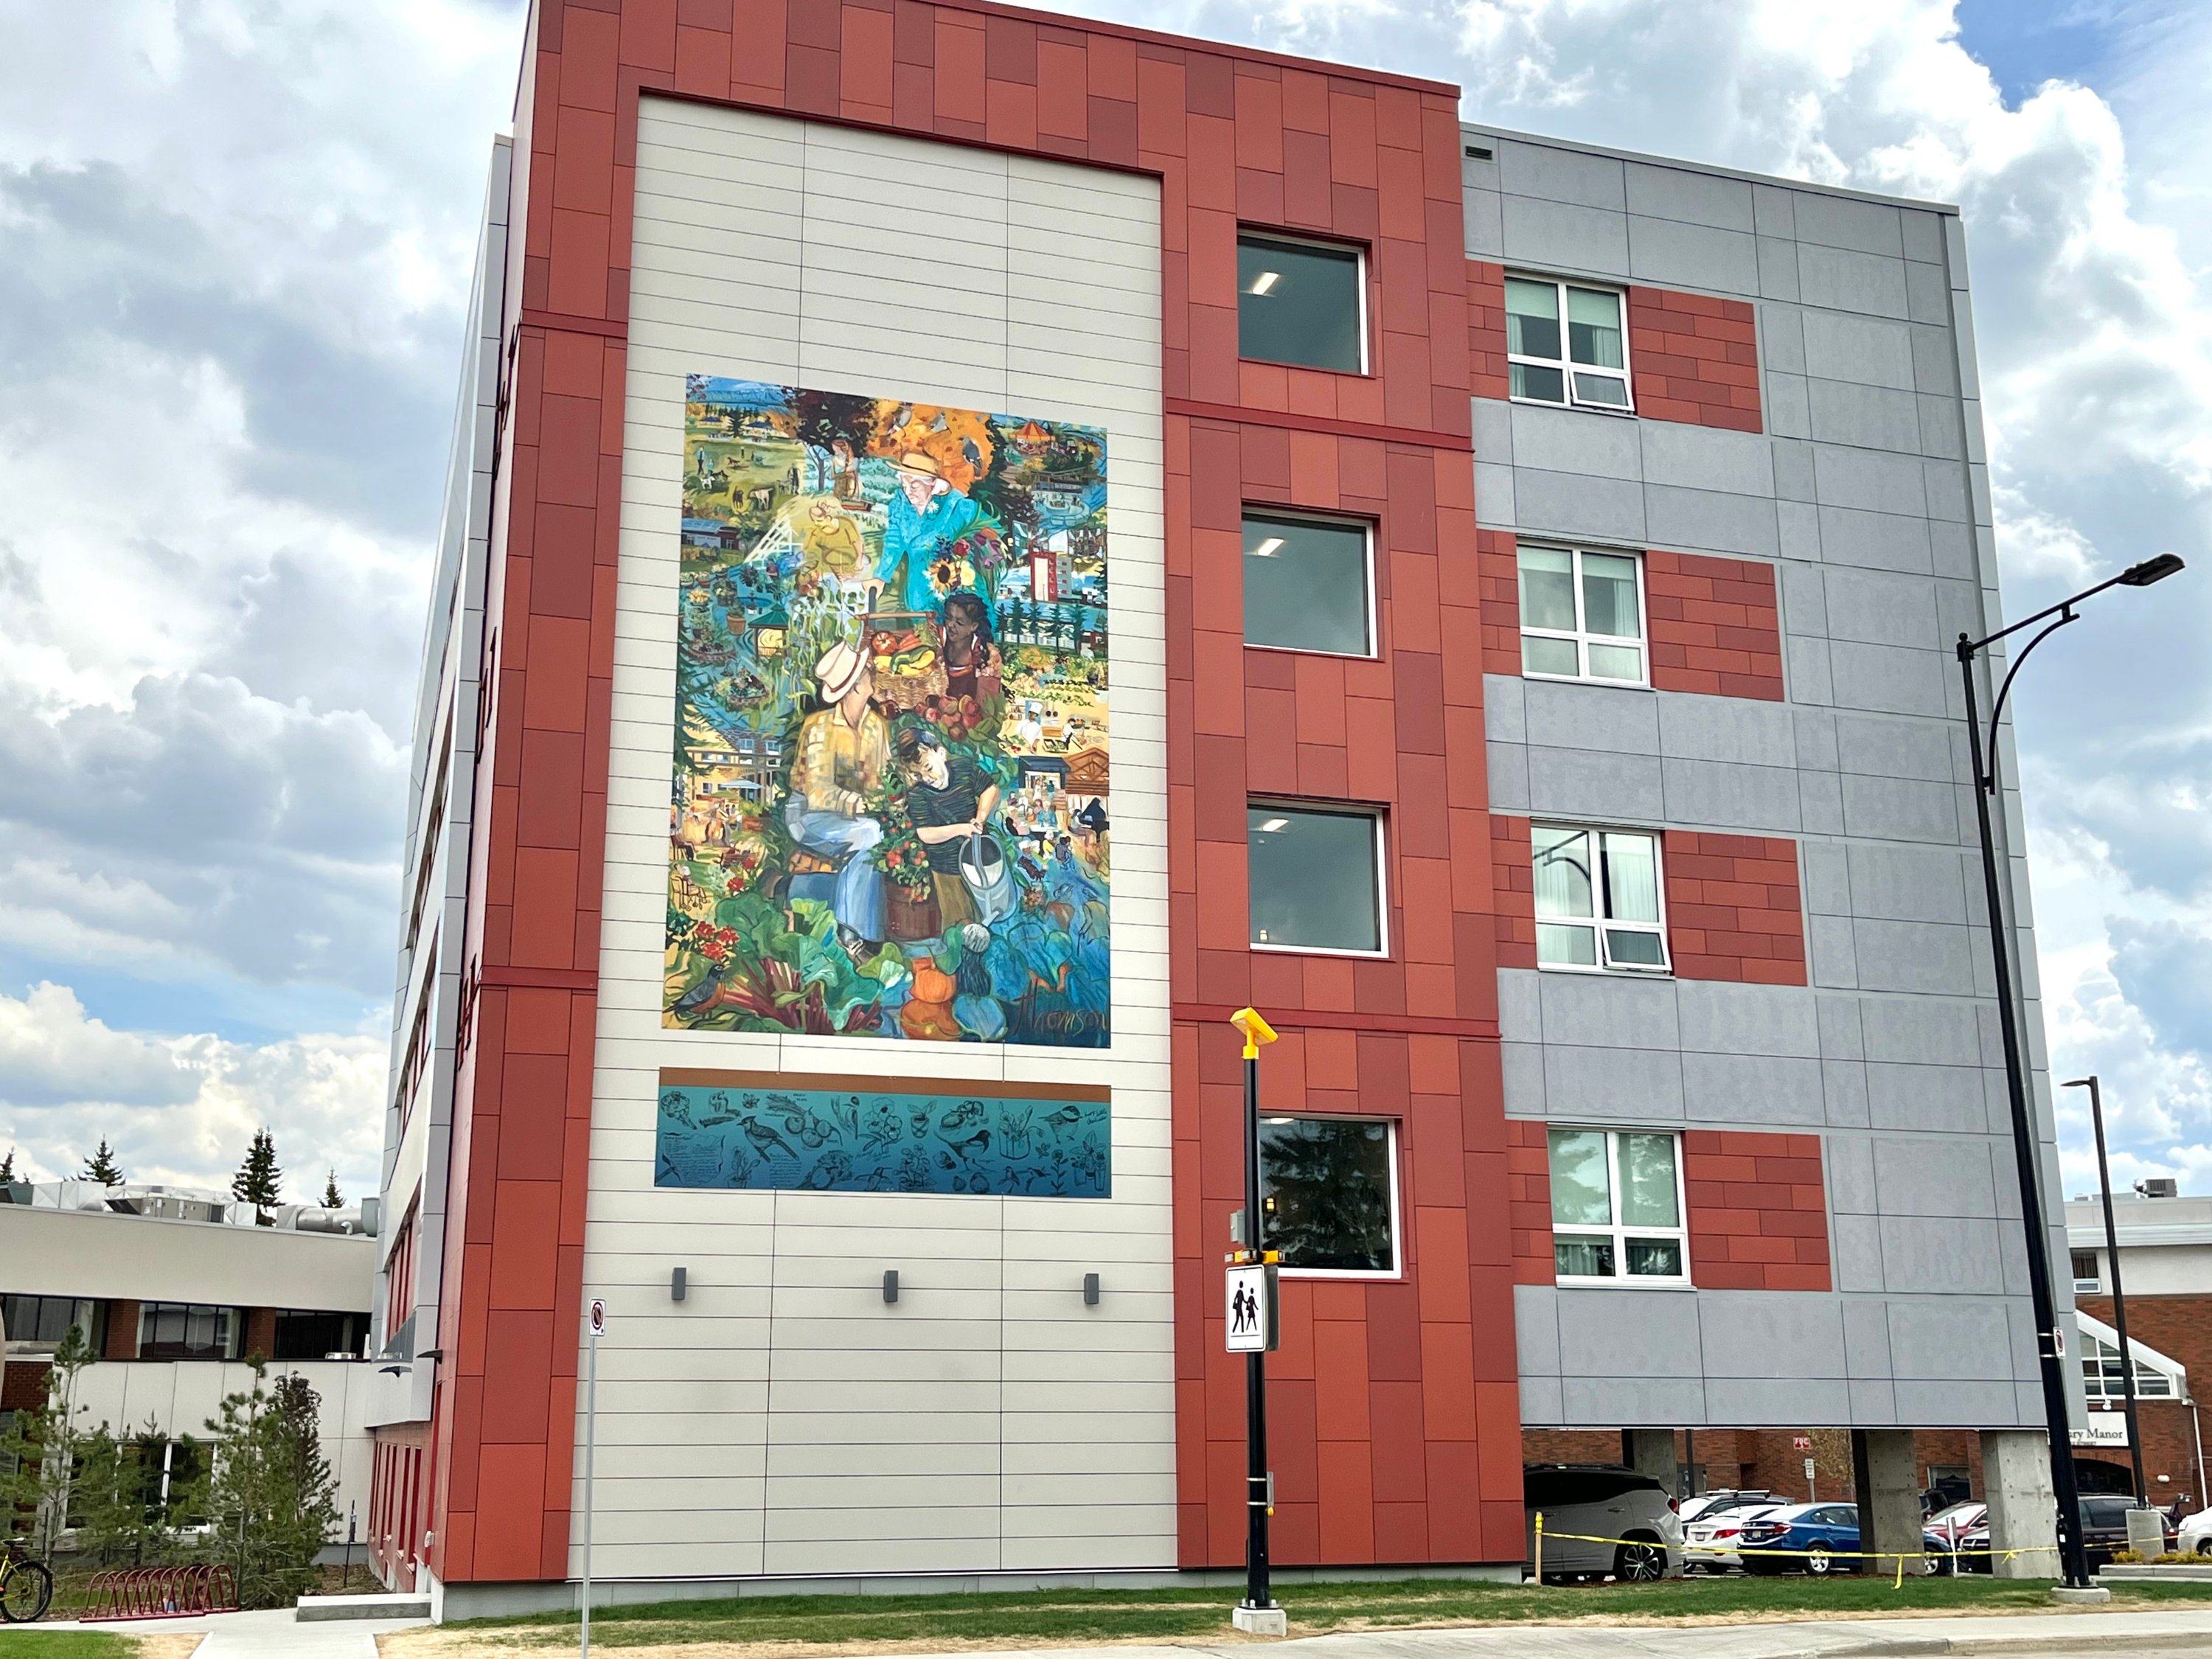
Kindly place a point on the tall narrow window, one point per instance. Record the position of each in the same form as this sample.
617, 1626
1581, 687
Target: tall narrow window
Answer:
1301, 302
1308, 584
1599, 899
1566, 344
1617, 1205
1581, 616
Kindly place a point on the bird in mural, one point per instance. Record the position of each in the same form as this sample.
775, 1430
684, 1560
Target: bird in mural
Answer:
978, 1142
762, 1136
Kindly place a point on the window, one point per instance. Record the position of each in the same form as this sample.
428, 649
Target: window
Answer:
1328, 1189
188, 1330
301, 1336
1586, 363
1301, 302
1307, 585
1581, 616
1617, 1206
2085, 1271
2102, 1379
38, 1322
1316, 880
1599, 899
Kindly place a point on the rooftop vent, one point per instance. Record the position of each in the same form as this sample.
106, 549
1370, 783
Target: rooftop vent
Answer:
1478, 152
2160, 1187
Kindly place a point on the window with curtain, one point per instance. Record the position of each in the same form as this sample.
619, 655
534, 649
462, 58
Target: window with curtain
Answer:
1617, 1207
1582, 615
1600, 904
1565, 344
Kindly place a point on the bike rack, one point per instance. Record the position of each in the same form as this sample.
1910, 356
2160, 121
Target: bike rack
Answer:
160, 1592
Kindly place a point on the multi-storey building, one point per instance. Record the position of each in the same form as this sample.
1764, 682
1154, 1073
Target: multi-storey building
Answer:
979, 542
175, 1289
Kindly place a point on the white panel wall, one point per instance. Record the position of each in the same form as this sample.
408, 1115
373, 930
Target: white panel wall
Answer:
782, 1420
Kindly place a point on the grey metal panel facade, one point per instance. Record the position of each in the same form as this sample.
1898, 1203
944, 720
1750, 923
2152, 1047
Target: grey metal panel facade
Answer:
1867, 491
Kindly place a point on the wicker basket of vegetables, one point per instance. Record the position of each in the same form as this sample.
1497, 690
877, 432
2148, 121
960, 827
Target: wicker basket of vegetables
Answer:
902, 649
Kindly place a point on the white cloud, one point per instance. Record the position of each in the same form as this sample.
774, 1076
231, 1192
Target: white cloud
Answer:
182, 1109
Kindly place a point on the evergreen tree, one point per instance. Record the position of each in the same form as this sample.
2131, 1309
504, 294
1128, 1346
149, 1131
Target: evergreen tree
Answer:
270, 1498
40, 1447
332, 1199
259, 1181
8, 1166
102, 1167
115, 1508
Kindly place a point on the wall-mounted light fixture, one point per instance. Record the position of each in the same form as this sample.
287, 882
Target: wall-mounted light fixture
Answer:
678, 1282
1091, 1290
890, 1284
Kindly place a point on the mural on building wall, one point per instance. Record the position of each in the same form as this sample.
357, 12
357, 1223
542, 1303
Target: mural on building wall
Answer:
891, 811
760, 1133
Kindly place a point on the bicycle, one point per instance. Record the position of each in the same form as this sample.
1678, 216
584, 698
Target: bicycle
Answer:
26, 1588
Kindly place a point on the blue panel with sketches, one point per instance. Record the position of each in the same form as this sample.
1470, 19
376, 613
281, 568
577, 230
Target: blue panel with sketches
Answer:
827, 1140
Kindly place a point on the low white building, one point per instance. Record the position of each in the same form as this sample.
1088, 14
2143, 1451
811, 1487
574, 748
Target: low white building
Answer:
175, 1289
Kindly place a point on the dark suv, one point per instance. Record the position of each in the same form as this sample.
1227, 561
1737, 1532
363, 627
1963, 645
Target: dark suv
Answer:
2104, 1532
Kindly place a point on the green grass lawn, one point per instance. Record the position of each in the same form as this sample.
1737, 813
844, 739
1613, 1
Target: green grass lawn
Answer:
35, 1644
1077, 1616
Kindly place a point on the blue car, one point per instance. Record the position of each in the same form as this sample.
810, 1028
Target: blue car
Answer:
1815, 1538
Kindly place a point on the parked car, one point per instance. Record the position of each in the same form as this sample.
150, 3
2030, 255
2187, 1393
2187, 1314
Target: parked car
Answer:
1949, 1526
1819, 1538
1602, 1501
2104, 1531
2195, 1535
1708, 1542
1707, 1505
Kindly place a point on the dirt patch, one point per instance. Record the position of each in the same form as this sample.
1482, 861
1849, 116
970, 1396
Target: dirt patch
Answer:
177, 1644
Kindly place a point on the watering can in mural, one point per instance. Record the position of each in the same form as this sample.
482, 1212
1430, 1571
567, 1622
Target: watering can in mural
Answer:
989, 879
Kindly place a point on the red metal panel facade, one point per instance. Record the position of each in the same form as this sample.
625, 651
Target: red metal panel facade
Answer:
1397, 1399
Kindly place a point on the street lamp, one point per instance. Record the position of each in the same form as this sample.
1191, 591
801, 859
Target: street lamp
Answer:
2120, 1294
2074, 1560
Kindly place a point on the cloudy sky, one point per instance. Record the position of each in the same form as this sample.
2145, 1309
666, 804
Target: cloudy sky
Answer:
234, 239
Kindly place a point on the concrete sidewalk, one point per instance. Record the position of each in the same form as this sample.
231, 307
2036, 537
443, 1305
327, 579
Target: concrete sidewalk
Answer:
275, 1634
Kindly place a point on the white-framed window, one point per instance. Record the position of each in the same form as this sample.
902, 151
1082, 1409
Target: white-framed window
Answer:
1617, 1207
1316, 878
1581, 616
1329, 1194
2085, 1271
1308, 583
2102, 1378
1600, 899
1301, 302
1567, 342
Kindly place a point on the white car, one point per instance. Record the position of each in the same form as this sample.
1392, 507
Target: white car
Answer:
2196, 1536
1709, 1542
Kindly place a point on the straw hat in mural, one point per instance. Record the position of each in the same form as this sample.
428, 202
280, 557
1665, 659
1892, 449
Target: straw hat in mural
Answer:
839, 671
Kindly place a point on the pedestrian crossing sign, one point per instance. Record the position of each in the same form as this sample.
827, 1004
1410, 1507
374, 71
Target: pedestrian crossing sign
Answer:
1250, 1322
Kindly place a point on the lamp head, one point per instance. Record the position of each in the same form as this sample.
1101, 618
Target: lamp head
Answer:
2151, 570
1255, 1030
2080, 1082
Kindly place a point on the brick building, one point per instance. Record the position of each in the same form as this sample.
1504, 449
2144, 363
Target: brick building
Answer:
1522, 571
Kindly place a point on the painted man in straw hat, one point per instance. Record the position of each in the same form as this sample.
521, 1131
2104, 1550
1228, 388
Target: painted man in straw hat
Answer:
926, 516
844, 749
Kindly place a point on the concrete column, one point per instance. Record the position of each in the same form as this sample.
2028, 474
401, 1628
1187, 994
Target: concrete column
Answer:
2023, 1508
1887, 1477
1651, 1451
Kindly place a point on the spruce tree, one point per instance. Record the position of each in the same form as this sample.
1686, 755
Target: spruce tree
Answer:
8, 1166
102, 1167
331, 1198
259, 1181
270, 1498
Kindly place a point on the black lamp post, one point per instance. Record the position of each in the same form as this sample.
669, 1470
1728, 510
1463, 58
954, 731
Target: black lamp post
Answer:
2119, 1292
2074, 1560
